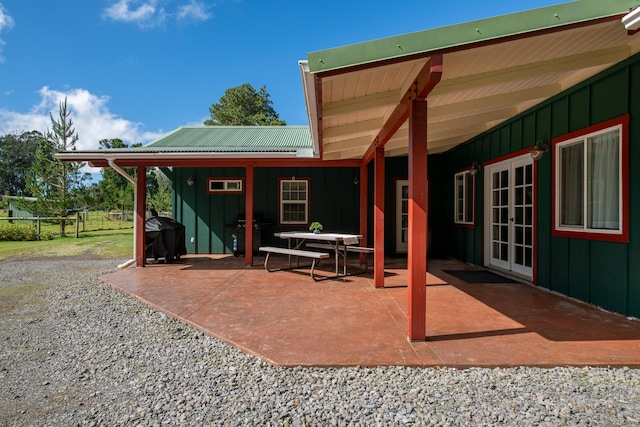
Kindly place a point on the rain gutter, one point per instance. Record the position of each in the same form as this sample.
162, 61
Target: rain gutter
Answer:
125, 175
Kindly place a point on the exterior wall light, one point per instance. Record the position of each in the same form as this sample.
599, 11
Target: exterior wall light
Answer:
631, 20
474, 169
539, 150
190, 181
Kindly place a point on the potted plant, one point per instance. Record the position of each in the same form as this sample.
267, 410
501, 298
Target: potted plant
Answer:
316, 227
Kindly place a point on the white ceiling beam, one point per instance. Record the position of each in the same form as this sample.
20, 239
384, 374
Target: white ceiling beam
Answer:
436, 131
395, 151
346, 144
353, 153
457, 135
357, 128
507, 98
568, 63
384, 99
491, 116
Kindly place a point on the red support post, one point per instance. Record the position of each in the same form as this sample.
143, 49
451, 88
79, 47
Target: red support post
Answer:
248, 252
140, 215
417, 245
378, 219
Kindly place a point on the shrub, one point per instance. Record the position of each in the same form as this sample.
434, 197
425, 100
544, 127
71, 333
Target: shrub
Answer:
22, 232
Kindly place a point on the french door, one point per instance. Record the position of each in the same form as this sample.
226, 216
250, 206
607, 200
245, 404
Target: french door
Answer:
402, 215
509, 215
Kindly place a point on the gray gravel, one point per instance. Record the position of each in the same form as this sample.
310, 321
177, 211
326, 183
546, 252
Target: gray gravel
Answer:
73, 351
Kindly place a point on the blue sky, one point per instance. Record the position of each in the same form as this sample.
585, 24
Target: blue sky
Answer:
136, 69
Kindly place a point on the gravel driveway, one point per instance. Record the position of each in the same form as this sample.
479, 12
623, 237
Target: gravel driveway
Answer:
73, 351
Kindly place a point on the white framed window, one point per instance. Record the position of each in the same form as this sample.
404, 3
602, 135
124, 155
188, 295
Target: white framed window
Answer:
225, 185
464, 198
294, 201
590, 184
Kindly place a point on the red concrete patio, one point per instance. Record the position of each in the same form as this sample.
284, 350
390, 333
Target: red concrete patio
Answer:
286, 318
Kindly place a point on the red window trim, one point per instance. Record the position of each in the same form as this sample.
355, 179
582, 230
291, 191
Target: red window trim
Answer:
224, 178
623, 235
308, 180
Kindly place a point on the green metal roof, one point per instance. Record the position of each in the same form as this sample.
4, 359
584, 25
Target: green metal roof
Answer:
456, 36
199, 142
233, 139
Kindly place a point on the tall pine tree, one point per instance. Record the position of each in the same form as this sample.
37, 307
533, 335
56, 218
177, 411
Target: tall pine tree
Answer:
56, 184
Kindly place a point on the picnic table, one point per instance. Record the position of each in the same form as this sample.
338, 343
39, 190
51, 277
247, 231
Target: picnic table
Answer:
338, 242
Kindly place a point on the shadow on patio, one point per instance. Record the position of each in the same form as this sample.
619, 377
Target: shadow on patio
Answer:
287, 319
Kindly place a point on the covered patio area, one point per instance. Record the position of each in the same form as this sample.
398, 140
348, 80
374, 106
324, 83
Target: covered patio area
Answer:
473, 318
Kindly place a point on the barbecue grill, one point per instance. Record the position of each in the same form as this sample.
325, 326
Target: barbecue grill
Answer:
164, 238
239, 226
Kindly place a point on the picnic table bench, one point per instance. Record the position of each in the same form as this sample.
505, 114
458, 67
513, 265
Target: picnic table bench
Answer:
314, 256
348, 248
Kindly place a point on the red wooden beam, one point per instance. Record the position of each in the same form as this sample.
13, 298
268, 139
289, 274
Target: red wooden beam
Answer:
248, 228
417, 245
424, 83
378, 219
141, 209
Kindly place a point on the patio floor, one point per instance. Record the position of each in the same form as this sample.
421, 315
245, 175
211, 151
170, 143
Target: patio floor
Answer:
286, 318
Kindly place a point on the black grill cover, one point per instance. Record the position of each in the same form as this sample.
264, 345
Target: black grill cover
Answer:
164, 238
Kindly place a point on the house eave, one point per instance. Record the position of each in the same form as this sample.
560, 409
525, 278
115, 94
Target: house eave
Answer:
464, 35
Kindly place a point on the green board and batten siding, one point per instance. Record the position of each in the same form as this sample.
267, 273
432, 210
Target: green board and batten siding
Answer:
334, 201
603, 273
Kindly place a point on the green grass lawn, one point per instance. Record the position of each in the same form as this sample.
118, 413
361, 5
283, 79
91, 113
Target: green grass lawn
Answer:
116, 243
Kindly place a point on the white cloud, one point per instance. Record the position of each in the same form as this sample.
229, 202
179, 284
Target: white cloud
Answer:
143, 13
90, 115
151, 13
193, 11
6, 23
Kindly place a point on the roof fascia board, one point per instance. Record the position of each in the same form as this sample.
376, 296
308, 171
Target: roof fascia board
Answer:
90, 156
200, 162
470, 33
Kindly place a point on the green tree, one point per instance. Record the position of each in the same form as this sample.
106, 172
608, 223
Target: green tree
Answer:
17, 154
57, 185
114, 191
244, 106
159, 192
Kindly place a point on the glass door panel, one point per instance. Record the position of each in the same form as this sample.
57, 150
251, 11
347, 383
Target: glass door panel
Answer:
510, 212
499, 236
402, 215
